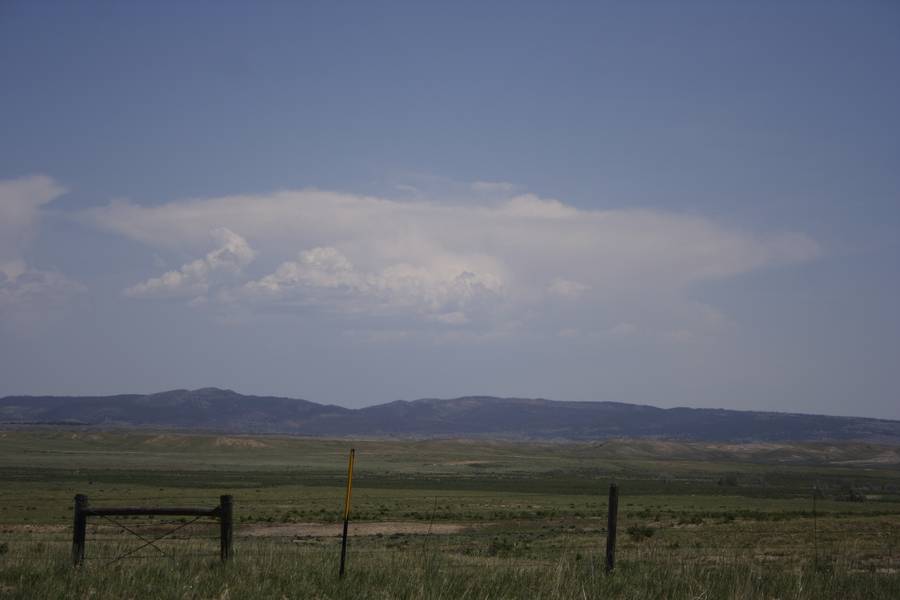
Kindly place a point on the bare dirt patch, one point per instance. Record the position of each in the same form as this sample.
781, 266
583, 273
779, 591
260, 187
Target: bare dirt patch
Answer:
334, 529
888, 457
163, 439
239, 442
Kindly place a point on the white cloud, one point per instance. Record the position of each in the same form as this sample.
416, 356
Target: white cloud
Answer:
460, 264
20, 211
323, 276
530, 206
193, 279
28, 296
566, 288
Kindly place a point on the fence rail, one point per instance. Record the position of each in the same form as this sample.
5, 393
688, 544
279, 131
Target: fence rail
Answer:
224, 512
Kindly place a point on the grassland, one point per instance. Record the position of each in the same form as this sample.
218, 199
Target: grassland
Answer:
452, 518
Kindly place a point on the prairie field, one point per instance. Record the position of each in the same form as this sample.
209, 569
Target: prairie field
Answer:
449, 518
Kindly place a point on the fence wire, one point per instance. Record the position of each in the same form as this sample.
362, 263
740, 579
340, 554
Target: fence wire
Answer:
515, 525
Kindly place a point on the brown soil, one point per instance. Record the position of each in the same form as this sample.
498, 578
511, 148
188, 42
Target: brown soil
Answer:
239, 442
334, 529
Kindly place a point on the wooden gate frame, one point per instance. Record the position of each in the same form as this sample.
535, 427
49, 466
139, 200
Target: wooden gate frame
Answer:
223, 512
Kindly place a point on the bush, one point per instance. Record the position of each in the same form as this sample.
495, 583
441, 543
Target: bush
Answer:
851, 494
640, 532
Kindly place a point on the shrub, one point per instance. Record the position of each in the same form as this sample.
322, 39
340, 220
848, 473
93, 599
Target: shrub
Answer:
640, 532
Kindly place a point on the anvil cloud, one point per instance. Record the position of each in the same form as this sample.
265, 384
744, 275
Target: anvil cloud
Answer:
495, 266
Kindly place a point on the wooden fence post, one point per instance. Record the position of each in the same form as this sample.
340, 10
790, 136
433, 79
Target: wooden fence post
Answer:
611, 527
815, 528
226, 515
347, 496
79, 529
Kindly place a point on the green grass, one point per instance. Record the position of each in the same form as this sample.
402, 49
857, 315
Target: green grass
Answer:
271, 572
509, 519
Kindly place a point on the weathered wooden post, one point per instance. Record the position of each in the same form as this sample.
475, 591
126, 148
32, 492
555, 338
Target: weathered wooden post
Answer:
611, 527
815, 528
347, 497
226, 514
79, 529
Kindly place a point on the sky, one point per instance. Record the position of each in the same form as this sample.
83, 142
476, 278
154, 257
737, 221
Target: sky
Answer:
676, 204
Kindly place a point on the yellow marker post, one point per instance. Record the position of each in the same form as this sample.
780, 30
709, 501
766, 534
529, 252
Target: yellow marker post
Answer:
347, 496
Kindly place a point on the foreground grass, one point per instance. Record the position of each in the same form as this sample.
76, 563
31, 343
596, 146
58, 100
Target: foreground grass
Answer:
264, 572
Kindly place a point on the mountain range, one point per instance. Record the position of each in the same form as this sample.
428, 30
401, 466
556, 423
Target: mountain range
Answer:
213, 409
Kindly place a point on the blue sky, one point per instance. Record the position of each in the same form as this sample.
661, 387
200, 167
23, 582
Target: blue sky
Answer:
666, 203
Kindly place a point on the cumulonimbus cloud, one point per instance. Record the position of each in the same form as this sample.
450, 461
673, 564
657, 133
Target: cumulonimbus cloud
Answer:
20, 211
27, 294
193, 279
324, 277
453, 264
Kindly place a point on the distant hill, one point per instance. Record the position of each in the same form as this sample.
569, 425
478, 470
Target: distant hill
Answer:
213, 409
